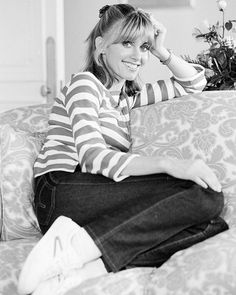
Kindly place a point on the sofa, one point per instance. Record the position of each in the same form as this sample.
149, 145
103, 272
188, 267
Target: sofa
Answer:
194, 126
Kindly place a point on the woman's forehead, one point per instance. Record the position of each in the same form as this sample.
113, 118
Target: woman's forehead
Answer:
120, 33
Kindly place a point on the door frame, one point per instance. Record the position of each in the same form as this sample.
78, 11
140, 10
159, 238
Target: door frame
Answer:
54, 10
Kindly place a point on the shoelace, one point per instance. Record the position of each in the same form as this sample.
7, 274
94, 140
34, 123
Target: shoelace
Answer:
68, 282
65, 280
57, 241
57, 269
63, 261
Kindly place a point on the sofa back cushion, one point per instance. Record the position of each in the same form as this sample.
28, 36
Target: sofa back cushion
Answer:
31, 119
195, 126
22, 132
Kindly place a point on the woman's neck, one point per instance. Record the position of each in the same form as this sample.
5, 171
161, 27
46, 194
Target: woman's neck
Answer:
117, 87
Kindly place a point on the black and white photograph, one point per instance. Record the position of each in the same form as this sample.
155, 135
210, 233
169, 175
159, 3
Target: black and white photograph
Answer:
118, 147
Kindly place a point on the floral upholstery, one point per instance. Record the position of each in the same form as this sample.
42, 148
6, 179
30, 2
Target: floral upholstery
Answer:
19, 150
194, 126
21, 140
30, 119
199, 125
12, 256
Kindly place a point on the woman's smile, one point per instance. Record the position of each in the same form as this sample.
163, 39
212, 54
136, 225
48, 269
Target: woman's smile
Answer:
132, 66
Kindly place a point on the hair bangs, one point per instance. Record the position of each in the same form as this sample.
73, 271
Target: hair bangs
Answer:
135, 26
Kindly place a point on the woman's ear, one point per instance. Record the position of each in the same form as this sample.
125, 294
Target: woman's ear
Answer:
99, 43
99, 51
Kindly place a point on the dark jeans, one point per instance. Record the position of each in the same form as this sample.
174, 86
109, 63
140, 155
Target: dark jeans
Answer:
140, 221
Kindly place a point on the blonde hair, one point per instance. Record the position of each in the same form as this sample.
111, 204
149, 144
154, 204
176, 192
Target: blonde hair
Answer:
133, 23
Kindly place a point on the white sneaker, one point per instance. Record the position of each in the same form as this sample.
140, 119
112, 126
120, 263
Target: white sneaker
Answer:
51, 256
49, 287
59, 285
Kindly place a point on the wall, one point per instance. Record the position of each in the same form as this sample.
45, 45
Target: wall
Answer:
81, 16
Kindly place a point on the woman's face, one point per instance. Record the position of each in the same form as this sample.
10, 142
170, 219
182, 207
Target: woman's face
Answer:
126, 58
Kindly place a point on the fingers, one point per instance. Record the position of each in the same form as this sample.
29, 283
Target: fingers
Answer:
206, 177
200, 182
195, 170
213, 185
213, 182
158, 27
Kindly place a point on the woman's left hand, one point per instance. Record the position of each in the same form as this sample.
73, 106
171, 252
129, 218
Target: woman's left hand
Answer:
160, 34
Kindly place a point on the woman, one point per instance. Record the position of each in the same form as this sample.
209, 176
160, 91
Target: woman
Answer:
100, 207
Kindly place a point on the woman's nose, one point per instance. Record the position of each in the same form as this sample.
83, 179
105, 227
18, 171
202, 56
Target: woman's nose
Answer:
136, 53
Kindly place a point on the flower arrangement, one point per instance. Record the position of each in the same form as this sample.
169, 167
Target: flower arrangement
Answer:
220, 58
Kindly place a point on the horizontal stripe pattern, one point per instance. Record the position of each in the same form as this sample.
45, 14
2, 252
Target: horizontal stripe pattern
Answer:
170, 88
88, 126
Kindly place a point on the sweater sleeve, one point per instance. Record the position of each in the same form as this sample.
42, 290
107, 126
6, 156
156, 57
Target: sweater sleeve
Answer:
170, 88
82, 103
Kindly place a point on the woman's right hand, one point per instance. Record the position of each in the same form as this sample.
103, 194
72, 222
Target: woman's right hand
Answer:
195, 170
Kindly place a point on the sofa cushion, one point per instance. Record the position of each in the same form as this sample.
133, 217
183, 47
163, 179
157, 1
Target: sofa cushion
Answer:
31, 118
12, 256
1, 215
19, 150
195, 126
205, 268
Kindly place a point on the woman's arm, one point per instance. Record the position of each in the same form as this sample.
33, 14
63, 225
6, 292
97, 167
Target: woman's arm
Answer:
195, 170
187, 78
177, 65
170, 88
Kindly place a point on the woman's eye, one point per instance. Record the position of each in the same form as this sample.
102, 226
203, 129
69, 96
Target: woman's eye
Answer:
127, 43
146, 47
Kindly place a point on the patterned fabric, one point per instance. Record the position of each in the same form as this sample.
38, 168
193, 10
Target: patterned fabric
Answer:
90, 126
19, 150
12, 257
1, 208
196, 126
27, 124
31, 118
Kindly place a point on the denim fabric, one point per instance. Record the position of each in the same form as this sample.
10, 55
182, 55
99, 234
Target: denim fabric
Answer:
140, 221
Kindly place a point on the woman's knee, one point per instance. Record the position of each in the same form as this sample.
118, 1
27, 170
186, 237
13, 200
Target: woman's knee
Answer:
210, 202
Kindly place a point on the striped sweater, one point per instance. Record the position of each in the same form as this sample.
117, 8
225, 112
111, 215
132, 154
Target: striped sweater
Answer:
89, 126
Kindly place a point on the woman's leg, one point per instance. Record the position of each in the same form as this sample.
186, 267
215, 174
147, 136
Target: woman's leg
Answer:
129, 219
161, 253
